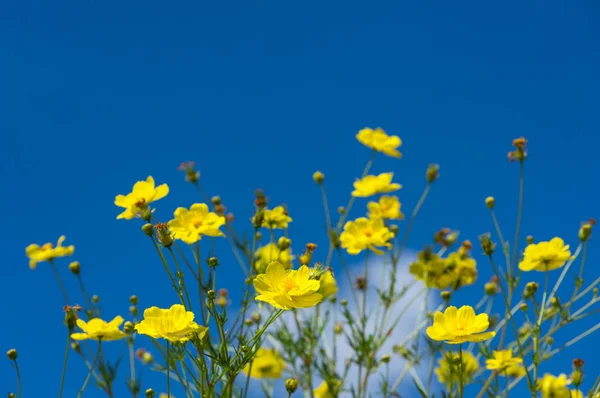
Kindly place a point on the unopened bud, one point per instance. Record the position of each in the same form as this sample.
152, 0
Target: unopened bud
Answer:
150, 393
487, 245
95, 299
133, 300
341, 210
284, 243
529, 240
215, 200
11, 395
318, 177
490, 288
490, 202
148, 229
446, 295
577, 377
432, 173
75, 267
291, 385
550, 340
248, 322
555, 302
255, 317
75, 346
524, 307
12, 354
585, 232
344, 302
530, 289
211, 294
128, 327
212, 262
386, 358
394, 229
146, 214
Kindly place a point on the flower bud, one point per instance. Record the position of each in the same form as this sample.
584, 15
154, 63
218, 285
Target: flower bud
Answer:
150, 393
360, 283
341, 210
163, 234
344, 302
490, 288
215, 200
577, 377
95, 299
487, 245
530, 289
338, 328
446, 295
248, 322
133, 299
318, 177
128, 327
490, 202
529, 240
524, 307
12, 354
76, 346
255, 316
11, 395
146, 214
586, 230
432, 173
386, 358
75, 267
284, 243
212, 262
147, 358
133, 310
148, 229
394, 229
291, 385
211, 294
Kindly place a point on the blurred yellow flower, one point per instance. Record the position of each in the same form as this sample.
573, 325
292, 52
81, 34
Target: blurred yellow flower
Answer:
372, 185
271, 252
47, 252
365, 233
448, 370
461, 267
378, 140
458, 269
502, 360
165, 395
554, 386
328, 285
190, 225
143, 194
514, 371
459, 326
545, 256
322, 391
267, 364
388, 207
174, 324
98, 329
276, 218
287, 289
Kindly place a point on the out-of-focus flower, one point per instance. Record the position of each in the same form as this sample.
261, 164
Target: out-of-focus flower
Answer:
143, 193
323, 391
47, 252
502, 360
458, 269
456, 326
328, 284
448, 370
276, 218
388, 207
545, 256
190, 225
269, 253
365, 233
287, 289
554, 386
372, 185
378, 140
267, 364
174, 324
98, 329
514, 371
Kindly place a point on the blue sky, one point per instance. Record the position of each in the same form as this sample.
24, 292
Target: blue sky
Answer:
98, 95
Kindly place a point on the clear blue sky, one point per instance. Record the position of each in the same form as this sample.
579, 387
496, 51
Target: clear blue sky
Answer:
97, 95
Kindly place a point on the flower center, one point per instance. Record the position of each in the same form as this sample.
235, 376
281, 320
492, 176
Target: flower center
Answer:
141, 203
289, 284
368, 232
197, 222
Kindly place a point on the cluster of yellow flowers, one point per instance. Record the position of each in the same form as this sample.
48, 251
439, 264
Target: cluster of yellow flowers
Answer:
456, 270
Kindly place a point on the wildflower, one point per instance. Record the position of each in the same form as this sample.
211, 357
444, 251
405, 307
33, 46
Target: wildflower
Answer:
365, 233
287, 289
174, 324
459, 326
388, 207
47, 252
554, 387
545, 256
267, 363
460, 269
372, 185
276, 218
138, 200
514, 371
98, 329
269, 253
324, 391
328, 285
502, 360
448, 370
190, 225
379, 141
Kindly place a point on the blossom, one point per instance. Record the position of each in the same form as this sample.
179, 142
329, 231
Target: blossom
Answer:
267, 363
545, 256
502, 360
462, 268
328, 285
143, 194
459, 326
265, 255
47, 252
554, 386
287, 289
365, 233
190, 225
98, 329
174, 324
388, 207
381, 142
458, 269
372, 185
448, 369
276, 218
514, 371
323, 391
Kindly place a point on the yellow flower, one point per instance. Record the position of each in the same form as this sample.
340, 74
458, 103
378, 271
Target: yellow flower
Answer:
97, 329
381, 142
457, 270
143, 194
462, 268
365, 233
190, 225
322, 391
459, 326
502, 360
287, 289
267, 363
554, 387
448, 370
47, 252
174, 324
372, 185
328, 285
276, 218
545, 256
164, 395
388, 207
514, 371
271, 252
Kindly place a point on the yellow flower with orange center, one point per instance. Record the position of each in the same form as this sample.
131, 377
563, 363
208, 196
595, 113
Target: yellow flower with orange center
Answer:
456, 326
545, 256
143, 193
47, 252
366, 233
388, 207
190, 225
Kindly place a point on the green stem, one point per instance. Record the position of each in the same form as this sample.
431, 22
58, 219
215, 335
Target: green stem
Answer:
18, 378
62, 287
64, 371
461, 371
87, 379
84, 292
168, 363
134, 390
352, 198
164, 262
519, 217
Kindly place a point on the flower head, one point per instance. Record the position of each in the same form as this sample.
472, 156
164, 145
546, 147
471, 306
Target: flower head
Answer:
458, 269
502, 360
47, 252
265, 255
514, 371
190, 225
378, 140
448, 369
372, 185
388, 207
365, 233
554, 386
459, 326
545, 256
143, 193
287, 289
98, 329
276, 218
174, 324
267, 363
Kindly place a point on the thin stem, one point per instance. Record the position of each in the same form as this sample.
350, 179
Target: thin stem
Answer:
167, 361
64, 370
519, 217
62, 287
16, 365
87, 379
462, 369
134, 390
352, 198
84, 292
